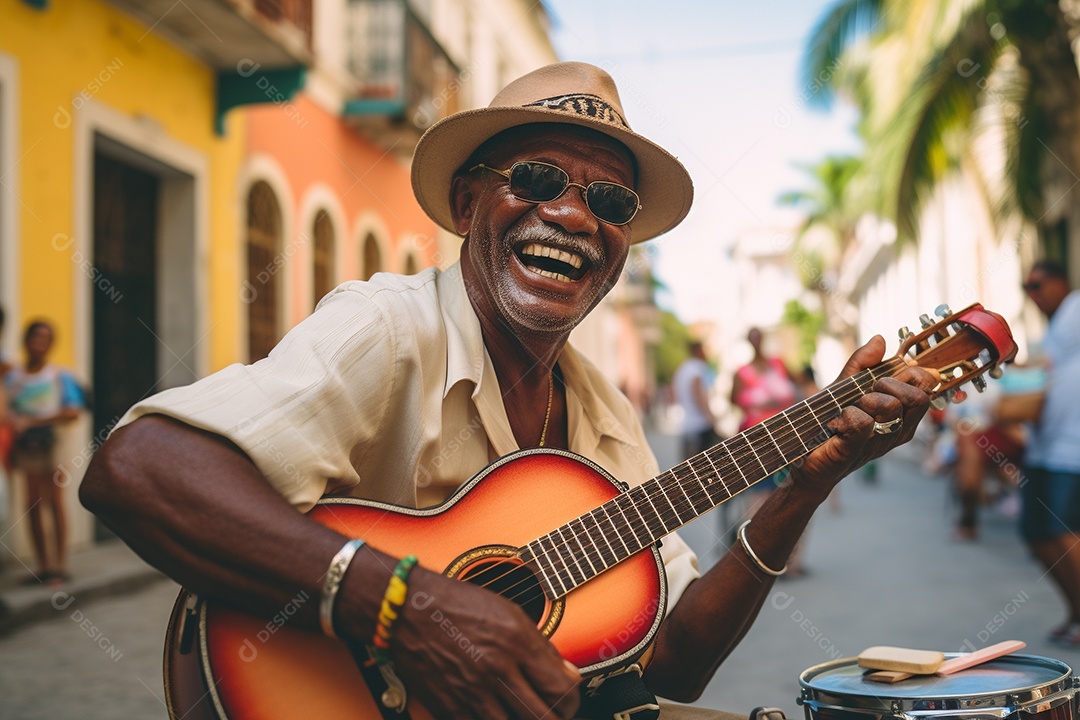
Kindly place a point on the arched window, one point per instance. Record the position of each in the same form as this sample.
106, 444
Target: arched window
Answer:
372, 257
263, 264
322, 232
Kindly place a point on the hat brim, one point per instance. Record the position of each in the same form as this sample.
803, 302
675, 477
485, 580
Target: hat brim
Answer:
663, 184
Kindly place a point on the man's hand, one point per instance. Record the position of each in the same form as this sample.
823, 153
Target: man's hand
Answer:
855, 443
469, 653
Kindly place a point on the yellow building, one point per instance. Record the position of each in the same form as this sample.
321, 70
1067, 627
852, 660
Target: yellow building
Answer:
120, 220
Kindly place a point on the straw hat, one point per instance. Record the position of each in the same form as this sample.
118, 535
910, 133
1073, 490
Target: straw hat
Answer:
570, 92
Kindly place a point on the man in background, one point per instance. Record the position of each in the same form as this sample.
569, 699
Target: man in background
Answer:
1050, 518
692, 383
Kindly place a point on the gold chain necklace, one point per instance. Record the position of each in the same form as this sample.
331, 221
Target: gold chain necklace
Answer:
547, 415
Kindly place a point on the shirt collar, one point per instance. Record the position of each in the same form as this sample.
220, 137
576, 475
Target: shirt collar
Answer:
593, 405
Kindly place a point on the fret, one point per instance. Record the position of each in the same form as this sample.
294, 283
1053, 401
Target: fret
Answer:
546, 553
828, 391
654, 531
575, 581
703, 503
616, 530
531, 554
704, 500
576, 535
604, 535
674, 510
795, 429
719, 475
754, 452
783, 456
768, 453
731, 457
813, 413
634, 528
590, 536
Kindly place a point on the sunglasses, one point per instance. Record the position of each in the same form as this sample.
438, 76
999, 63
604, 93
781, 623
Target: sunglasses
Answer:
541, 182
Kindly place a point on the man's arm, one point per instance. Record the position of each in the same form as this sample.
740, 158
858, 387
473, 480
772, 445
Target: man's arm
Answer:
717, 610
195, 506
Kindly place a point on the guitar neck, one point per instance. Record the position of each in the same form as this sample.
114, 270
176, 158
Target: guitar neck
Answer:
588, 545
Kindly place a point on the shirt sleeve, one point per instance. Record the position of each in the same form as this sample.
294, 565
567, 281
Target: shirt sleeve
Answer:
71, 394
301, 412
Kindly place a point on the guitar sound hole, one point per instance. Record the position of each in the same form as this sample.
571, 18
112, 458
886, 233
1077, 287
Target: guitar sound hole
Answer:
512, 580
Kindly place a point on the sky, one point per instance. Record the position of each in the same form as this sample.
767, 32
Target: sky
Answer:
716, 83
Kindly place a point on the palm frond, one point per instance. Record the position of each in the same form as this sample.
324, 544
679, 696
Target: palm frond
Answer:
843, 25
940, 108
1024, 155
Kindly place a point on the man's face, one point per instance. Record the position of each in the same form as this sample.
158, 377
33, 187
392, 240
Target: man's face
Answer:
541, 267
1046, 291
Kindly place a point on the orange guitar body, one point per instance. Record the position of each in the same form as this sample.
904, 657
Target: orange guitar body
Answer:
242, 667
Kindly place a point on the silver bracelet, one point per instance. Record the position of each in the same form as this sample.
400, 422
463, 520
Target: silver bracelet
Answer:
332, 583
753, 555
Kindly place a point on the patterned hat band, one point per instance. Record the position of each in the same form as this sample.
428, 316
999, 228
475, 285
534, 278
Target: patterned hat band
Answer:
592, 106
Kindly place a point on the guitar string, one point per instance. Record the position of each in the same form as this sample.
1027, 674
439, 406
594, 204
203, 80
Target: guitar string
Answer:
665, 517
853, 391
826, 399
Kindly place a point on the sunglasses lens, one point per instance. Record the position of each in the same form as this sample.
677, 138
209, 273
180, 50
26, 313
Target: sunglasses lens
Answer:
537, 182
612, 203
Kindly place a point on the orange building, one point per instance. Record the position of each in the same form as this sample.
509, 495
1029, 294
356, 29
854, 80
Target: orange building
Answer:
324, 205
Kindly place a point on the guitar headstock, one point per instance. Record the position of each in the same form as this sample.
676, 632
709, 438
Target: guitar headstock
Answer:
960, 347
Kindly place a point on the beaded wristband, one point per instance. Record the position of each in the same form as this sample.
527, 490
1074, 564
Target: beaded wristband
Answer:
753, 555
393, 601
332, 583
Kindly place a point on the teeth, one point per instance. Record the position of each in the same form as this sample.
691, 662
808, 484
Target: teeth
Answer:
538, 250
548, 274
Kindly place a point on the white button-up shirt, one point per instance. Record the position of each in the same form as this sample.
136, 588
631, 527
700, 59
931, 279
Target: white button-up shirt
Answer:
386, 392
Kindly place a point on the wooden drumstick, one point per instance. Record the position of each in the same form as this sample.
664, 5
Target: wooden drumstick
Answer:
980, 656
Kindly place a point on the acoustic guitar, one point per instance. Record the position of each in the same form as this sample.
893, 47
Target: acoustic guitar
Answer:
548, 529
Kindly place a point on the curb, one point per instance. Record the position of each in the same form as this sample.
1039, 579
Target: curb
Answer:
117, 572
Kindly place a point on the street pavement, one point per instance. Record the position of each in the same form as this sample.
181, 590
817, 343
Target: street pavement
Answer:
883, 571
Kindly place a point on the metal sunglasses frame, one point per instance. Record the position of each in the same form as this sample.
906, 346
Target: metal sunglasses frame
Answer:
569, 183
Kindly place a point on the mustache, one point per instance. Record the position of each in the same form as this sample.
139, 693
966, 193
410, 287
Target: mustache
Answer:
555, 237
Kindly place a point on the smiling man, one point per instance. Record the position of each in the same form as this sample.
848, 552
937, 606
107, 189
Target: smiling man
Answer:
402, 388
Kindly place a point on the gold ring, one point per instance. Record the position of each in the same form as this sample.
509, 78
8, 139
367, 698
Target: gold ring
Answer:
887, 427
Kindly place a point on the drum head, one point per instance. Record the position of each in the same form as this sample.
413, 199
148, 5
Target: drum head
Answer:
1013, 680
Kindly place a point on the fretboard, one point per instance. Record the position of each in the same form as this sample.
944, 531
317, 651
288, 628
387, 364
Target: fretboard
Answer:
588, 545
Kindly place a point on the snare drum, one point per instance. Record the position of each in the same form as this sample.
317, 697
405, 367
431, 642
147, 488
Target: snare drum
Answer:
1019, 687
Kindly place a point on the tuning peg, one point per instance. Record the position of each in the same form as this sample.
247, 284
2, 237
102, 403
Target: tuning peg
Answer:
905, 333
925, 320
979, 383
996, 372
942, 311
939, 403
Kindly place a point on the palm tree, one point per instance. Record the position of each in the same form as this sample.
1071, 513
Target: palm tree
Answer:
931, 75
832, 205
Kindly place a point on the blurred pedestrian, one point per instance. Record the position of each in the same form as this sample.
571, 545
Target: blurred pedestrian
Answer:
692, 383
1050, 516
984, 445
42, 396
762, 388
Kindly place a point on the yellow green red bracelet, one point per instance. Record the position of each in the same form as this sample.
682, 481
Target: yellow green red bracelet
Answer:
393, 601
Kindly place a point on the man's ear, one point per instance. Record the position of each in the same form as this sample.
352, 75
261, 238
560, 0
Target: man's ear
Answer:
462, 200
